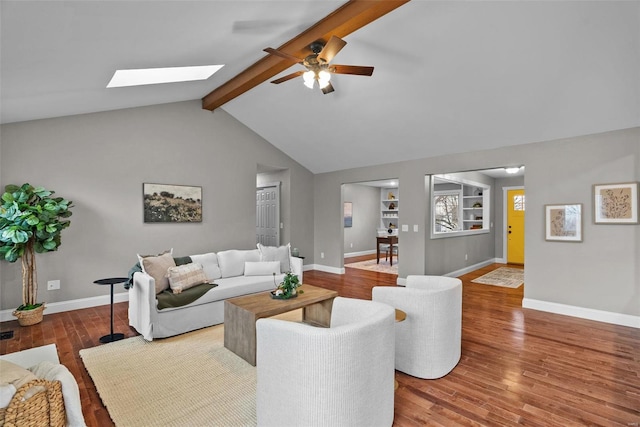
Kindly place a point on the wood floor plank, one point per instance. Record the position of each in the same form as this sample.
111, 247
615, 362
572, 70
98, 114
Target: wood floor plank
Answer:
518, 366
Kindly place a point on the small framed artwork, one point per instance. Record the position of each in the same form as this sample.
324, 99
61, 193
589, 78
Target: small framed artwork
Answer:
348, 214
563, 223
615, 203
171, 203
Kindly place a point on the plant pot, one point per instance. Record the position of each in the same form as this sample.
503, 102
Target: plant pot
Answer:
29, 317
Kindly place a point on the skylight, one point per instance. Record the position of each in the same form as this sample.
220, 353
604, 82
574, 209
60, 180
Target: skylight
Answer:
151, 76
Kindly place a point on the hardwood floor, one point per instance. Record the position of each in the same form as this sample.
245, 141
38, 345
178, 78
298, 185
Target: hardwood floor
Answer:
518, 366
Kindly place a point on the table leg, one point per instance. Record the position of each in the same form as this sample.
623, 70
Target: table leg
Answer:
111, 337
391, 253
377, 253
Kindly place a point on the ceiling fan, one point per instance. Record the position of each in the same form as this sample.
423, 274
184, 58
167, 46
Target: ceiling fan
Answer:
318, 65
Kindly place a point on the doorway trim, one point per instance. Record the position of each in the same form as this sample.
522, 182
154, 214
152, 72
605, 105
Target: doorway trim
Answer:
505, 229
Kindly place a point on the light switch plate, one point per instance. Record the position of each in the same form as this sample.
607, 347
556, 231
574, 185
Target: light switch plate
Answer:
415, 228
405, 227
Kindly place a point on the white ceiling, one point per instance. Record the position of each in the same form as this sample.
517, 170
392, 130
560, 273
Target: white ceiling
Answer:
449, 76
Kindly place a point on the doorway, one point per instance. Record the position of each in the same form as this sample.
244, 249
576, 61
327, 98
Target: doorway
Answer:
268, 215
515, 205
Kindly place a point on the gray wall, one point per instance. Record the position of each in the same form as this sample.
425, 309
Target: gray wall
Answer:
366, 217
599, 273
100, 162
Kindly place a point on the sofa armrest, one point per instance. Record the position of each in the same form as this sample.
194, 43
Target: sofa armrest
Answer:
142, 304
296, 267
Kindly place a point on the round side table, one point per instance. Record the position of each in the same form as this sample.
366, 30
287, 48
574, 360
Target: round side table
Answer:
111, 281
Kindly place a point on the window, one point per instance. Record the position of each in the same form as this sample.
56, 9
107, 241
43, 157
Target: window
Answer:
447, 211
518, 203
459, 206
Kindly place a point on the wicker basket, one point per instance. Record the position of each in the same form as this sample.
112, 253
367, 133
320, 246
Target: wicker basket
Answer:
45, 408
29, 317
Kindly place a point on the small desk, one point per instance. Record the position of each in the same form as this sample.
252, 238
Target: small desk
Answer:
111, 281
388, 240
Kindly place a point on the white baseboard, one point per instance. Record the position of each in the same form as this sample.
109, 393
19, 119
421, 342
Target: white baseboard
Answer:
583, 313
76, 304
471, 268
350, 254
327, 269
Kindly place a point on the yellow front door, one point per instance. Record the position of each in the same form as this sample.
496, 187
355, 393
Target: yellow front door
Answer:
515, 226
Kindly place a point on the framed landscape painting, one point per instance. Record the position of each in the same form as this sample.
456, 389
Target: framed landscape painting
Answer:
563, 223
171, 203
615, 203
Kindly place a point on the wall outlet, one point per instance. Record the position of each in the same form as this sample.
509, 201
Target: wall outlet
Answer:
466, 257
52, 285
351, 244
405, 227
322, 255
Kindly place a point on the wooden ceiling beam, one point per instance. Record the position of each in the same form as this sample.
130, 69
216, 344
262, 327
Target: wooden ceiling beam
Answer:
345, 20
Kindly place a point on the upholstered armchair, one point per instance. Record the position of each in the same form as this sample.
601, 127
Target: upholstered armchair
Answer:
428, 341
337, 376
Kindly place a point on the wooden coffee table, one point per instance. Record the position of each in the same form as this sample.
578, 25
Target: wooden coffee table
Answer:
241, 313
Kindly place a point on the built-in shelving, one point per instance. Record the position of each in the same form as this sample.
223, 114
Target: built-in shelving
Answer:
389, 208
459, 206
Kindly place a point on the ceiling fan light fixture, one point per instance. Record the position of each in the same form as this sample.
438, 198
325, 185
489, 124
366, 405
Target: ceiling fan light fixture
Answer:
150, 76
309, 77
323, 78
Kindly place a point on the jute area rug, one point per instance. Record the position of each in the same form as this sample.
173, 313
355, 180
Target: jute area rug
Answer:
371, 265
504, 276
186, 380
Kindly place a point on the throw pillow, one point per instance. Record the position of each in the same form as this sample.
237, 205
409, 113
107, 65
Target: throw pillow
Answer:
141, 257
185, 276
277, 253
232, 261
209, 264
261, 268
156, 267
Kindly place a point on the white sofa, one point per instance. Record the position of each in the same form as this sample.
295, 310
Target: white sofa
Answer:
227, 270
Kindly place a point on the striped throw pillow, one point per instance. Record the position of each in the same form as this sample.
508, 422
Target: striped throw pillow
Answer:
186, 276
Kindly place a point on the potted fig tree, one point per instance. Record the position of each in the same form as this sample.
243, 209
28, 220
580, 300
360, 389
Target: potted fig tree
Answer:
31, 221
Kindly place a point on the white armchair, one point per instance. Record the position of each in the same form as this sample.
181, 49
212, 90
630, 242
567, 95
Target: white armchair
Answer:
428, 342
337, 376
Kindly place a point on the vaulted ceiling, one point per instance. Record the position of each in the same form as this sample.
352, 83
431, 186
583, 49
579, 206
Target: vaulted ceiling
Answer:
449, 76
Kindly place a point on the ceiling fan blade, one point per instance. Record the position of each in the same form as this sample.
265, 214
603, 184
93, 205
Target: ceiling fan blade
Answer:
327, 89
352, 69
292, 58
287, 77
331, 49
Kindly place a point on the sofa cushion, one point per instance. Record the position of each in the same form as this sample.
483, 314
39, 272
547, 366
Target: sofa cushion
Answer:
209, 264
231, 262
186, 276
277, 253
261, 268
156, 267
